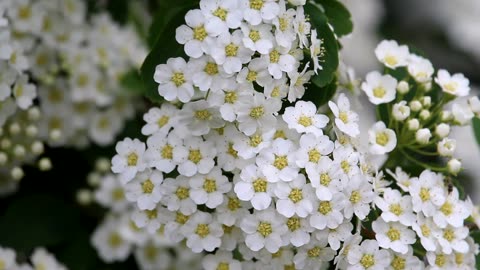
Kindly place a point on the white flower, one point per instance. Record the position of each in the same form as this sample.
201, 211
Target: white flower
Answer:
345, 160
298, 80
175, 80
341, 259
254, 11
453, 239
129, 159
402, 178
400, 111
368, 256
159, 153
393, 235
337, 235
328, 214
325, 178
195, 35
439, 260
360, 194
7, 258
379, 88
442, 130
396, 207
279, 60
454, 166
427, 192
176, 195
196, 156
423, 135
298, 231
108, 241
294, 197
346, 120
277, 88
313, 256
278, 161
406, 261
446, 147
209, 188
258, 38
382, 139
227, 157
313, 149
250, 146
110, 194
453, 211
150, 256
462, 114
202, 232
198, 117
264, 229
284, 30
316, 51
221, 260
304, 118
207, 75
455, 84
150, 220
228, 100
391, 54
226, 10
420, 68
232, 210
145, 189
254, 188
24, 92
228, 50
474, 104
301, 25
257, 112
7, 77
41, 259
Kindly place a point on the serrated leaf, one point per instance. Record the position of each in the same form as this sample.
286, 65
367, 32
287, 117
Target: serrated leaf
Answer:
165, 46
329, 61
338, 16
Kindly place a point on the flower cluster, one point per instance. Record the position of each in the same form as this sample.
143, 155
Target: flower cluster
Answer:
40, 259
67, 67
418, 106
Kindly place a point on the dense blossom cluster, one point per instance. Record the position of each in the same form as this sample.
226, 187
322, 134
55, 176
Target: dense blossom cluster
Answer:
40, 259
67, 67
231, 169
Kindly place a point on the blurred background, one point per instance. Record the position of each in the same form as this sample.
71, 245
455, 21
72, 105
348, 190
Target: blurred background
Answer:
45, 211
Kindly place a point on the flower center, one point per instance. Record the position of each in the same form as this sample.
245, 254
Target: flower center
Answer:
209, 185
379, 92
231, 151
295, 195
195, 156
381, 138
202, 230
256, 4
264, 228
390, 60
305, 121
220, 13
199, 33
251, 76
162, 121
314, 252
274, 56
440, 260
211, 69
178, 79
293, 224
182, 193
324, 207
459, 258
279, 134
132, 159
447, 209
314, 156
343, 116
257, 112
233, 203
283, 23
231, 50
355, 197
280, 162
147, 186
393, 234
255, 140
181, 218
260, 185
230, 97
254, 35
151, 214
223, 266
325, 179
203, 115
118, 194
451, 87
425, 230
449, 235
345, 166
115, 240
424, 194
367, 261
24, 12
167, 152
398, 263
396, 209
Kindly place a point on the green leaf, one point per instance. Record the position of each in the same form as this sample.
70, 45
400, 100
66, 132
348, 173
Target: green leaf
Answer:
164, 46
476, 128
320, 95
338, 16
132, 82
329, 60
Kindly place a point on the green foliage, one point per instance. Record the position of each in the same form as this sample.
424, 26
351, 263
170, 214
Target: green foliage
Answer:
476, 128
132, 81
338, 16
161, 38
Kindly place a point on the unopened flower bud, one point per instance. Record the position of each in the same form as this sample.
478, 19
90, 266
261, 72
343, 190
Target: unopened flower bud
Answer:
3, 158
423, 135
413, 124
84, 197
442, 130
19, 150
17, 173
94, 179
415, 105
474, 104
403, 87
44, 164
446, 147
400, 111
103, 165
33, 114
14, 128
55, 134
5, 143
37, 147
424, 114
297, 2
427, 101
454, 166
32, 131
427, 86
446, 116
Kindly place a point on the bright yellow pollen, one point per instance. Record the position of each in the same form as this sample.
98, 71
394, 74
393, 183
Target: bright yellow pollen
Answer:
227, 229
202, 230
24, 12
151, 214
230, 97
203, 115
195, 156
231, 50
162, 121
293, 224
451, 87
220, 13
260, 185
390, 60
459, 258
398, 263
379, 92
167, 152
223, 266
440, 260
324, 207
425, 230
314, 252
280, 162
279, 134
305, 121
447, 208
381, 138
449, 235
424, 194
275, 92
199, 33
231, 151
367, 261
325, 179
393, 234
274, 56
178, 79
255, 140
181, 218
148, 186
283, 23
115, 240
396, 209
118, 194
182, 193
345, 166
257, 112
256, 4
132, 159
295, 195
211, 69
252, 76
355, 197
254, 35
264, 228
233, 204
314, 156
210, 185
343, 116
